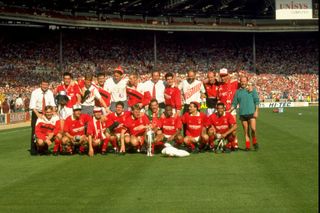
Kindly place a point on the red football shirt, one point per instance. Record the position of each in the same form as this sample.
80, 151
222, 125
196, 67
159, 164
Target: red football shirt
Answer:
45, 127
132, 123
226, 92
96, 128
194, 124
172, 97
76, 126
113, 117
223, 123
71, 91
211, 90
170, 125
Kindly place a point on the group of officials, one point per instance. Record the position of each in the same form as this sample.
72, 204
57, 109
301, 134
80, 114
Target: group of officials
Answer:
95, 115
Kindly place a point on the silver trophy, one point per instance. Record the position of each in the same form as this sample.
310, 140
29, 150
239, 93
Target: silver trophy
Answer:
150, 139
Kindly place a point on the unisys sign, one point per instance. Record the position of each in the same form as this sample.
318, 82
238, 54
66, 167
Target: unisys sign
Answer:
293, 9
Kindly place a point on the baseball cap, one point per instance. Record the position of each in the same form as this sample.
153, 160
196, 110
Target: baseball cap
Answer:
119, 69
76, 107
97, 109
223, 72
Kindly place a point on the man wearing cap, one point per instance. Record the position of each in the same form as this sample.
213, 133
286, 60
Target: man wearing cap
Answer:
116, 86
89, 94
195, 128
192, 90
248, 100
155, 87
226, 91
75, 131
40, 98
98, 137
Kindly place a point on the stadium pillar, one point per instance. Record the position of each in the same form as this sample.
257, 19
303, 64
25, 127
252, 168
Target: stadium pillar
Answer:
155, 49
60, 52
254, 52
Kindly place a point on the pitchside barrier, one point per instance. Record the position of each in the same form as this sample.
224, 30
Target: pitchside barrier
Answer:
16, 117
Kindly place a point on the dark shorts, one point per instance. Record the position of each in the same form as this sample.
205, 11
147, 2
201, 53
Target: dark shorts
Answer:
211, 102
246, 117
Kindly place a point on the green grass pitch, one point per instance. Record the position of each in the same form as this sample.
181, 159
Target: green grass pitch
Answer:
281, 177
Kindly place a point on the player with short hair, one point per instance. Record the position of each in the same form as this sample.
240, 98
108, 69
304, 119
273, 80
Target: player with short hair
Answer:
195, 128
172, 94
98, 137
46, 132
171, 126
192, 90
71, 88
222, 125
75, 131
136, 125
105, 95
117, 86
248, 100
211, 86
135, 92
89, 93
116, 123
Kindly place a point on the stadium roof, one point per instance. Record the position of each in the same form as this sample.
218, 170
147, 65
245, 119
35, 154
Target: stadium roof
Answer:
192, 8
164, 15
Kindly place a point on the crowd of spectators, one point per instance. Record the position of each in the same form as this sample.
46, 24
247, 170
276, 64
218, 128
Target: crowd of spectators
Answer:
287, 66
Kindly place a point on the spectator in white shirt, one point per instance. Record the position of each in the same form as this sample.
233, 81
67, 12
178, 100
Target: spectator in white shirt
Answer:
40, 98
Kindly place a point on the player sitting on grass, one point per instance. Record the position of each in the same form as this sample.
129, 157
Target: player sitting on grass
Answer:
195, 128
222, 127
136, 125
46, 132
75, 131
98, 137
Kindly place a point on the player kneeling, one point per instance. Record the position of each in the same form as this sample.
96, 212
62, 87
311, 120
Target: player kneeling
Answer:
195, 128
75, 137
136, 125
223, 127
170, 125
116, 123
98, 138
46, 132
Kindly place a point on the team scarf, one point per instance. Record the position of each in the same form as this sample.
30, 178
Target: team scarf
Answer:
96, 129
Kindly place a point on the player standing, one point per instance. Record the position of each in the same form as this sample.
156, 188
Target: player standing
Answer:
226, 92
248, 100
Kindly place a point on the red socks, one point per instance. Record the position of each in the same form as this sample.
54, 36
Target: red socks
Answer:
254, 140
